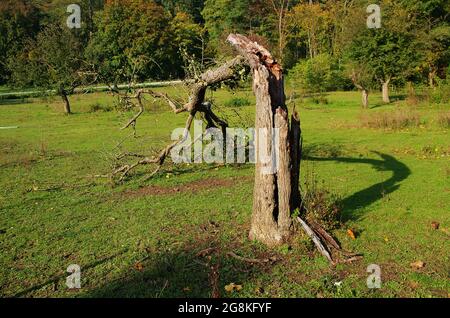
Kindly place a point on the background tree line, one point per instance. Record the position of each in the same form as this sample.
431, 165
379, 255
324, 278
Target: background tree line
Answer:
323, 45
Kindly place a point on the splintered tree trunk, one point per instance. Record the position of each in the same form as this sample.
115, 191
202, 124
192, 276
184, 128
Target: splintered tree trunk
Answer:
385, 89
276, 192
66, 103
296, 157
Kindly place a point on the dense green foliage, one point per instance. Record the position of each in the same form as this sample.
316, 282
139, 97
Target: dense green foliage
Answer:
139, 49
137, 40
54, 59
319, 74
19, 21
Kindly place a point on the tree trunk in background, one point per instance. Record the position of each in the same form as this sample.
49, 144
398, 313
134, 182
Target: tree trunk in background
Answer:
363, 89
276, 191
385, 90
66, 102
365, 98
431, 76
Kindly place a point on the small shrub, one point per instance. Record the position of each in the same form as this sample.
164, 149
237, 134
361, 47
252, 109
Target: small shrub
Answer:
440, 94
93, 108
237, 102
323, 150
97, 107
108, 109
320, 100
444, 119
412, 99
319, 74
320, 205
395, 120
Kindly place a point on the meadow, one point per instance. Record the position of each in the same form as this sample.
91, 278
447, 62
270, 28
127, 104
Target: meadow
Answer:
148, 237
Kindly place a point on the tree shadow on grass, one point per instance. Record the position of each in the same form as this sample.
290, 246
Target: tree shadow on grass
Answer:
181, 273
60, 277
354, 204
394, 98
13, 101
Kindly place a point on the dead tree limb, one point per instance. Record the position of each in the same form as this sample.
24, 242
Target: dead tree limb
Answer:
196, 104
158, 160
141, 111
252, 260
326, 244
322, 249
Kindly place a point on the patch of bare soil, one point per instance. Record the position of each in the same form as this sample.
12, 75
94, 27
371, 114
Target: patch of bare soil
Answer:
203, 185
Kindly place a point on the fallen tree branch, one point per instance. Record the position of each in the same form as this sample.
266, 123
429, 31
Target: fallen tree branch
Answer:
325, 243
160, 159
322, 249
251, 260
196, 104
141, 111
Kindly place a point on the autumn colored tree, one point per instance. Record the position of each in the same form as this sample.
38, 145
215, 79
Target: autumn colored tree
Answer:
310, 22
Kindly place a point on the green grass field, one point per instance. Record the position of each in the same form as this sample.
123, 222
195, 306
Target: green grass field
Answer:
141, 238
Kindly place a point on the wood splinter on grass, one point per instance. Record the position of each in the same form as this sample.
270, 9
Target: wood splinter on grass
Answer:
325, 243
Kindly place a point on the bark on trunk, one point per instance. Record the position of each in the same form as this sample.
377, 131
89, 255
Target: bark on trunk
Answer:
362, 88
66, 102
275, 182
296, 157
385, 89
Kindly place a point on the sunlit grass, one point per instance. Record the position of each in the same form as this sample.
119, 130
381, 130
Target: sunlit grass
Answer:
54, 212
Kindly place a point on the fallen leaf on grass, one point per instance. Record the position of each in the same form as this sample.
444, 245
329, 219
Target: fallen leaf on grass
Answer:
414, 285
259, 290
233, 287
435, 225
418, 265
351, 234
138, 266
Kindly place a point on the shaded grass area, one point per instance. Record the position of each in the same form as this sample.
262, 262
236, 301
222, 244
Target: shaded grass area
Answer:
142, 238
